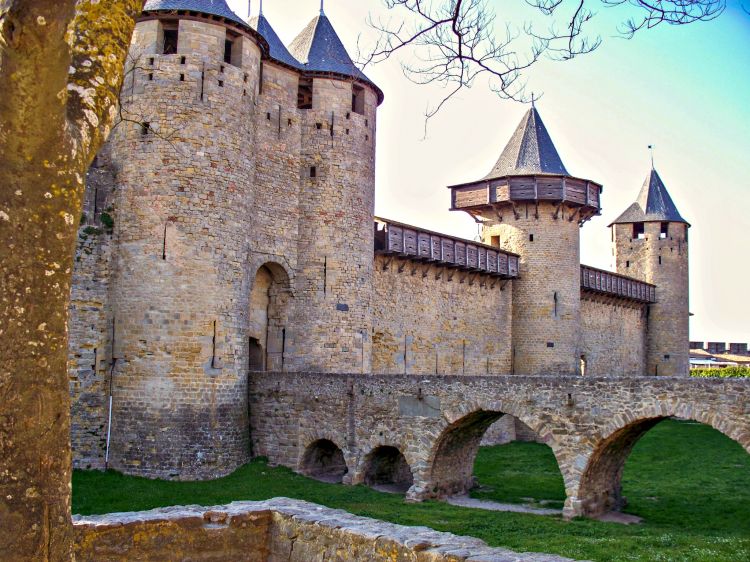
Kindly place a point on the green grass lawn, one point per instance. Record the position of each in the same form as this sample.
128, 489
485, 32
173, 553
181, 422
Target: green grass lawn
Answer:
690, 484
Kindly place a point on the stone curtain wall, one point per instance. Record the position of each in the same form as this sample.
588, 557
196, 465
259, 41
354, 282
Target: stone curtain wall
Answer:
90, 323
613, 337
278, 530
590, 423
432, 319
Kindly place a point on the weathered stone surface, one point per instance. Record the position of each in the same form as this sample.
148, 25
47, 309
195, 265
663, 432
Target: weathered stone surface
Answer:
278, 530
591, 424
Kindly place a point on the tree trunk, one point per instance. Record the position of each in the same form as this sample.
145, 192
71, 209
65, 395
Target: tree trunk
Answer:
50, 129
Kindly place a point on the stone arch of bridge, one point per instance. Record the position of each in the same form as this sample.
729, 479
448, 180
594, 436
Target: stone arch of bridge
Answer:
450, 463
386, 468
324, 460
599, 485
269, 309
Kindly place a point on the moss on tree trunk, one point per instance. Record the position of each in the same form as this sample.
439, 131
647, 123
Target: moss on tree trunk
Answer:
60, 72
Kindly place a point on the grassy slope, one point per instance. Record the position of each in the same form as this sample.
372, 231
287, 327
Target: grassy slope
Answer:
690, 483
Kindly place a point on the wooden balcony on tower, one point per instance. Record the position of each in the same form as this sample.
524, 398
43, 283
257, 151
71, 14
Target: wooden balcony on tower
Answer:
477, 198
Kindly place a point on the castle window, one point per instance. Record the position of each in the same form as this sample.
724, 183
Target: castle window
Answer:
171, 36
627, 264
145, 128
639, 231
313, 172
260, 78
183, 60
358, 99
305, 93
495, 241
227, 52
531, 237
233, 49
664, 232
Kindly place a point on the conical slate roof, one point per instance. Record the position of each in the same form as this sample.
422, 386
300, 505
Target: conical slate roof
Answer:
319, 49
211, 7
277, 49
529, 151
653, 204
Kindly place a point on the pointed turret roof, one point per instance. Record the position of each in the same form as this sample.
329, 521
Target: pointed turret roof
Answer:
210, 7
319, 49
277, 49
529, 151
653, 204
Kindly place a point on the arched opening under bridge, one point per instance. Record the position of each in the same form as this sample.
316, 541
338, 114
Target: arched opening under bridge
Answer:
660, 468
519, 472
324, 460
386, 469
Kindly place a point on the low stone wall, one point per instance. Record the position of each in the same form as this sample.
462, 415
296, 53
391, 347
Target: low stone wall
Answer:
273, 531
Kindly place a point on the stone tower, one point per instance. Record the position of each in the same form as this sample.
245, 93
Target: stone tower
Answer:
651, 243
529, 204
333, 286
184, 196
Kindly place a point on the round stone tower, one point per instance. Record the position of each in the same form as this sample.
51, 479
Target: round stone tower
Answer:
179, 294
651, 243
530, 205
333, 284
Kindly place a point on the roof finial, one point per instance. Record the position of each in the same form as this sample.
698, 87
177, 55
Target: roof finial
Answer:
651, 150
260, 12
249, 8
322, 3
533, 100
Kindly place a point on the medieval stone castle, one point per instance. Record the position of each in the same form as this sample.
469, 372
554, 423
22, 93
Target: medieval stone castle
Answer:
230, 229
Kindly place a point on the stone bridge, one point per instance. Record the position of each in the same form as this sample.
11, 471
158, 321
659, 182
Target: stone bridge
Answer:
423, 432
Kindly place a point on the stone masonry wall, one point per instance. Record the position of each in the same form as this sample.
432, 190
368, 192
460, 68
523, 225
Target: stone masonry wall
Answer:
547, 294
436, 320
436, 422
278, 530
89, 325
180, 296
663, 262
613, 337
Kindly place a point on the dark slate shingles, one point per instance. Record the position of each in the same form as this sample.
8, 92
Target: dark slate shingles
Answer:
319, 49
529, 151
211, 7
277, 49
653, 204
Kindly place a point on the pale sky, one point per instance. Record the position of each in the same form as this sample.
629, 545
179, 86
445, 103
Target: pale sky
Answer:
685, 90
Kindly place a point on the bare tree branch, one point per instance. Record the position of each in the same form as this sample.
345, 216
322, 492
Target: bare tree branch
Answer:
453, 42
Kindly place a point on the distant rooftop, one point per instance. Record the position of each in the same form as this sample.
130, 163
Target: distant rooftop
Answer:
653, 204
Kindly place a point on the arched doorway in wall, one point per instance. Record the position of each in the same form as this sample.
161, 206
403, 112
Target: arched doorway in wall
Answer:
386, 470
324, 460
515, 472
268, 318
670, 471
